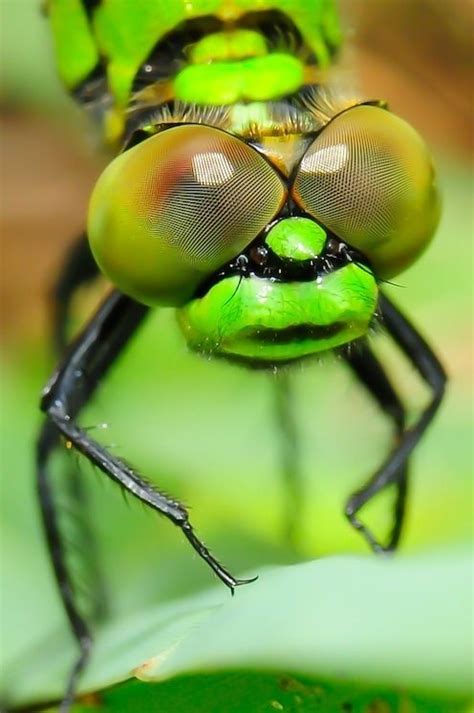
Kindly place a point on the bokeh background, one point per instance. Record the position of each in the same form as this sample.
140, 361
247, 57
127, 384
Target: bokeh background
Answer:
208, 432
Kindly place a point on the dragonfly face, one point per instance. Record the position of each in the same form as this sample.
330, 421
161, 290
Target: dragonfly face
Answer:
194, 217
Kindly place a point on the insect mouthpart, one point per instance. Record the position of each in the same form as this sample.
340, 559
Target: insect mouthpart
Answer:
292, 293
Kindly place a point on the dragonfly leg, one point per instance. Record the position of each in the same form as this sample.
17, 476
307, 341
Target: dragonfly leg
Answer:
70, 388
371, 374
78, 268
426, 363
74, 383
290, 462
47, 442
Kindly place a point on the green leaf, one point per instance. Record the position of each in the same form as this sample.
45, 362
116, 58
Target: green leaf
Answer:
248, 692
395, 623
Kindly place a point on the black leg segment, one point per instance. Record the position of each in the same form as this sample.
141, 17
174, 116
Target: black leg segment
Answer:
371, 374
47, 442
78, 269
426, 363
74, 383
71, 387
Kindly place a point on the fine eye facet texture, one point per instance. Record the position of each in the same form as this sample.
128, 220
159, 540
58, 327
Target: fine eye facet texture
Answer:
206, 194
368, 177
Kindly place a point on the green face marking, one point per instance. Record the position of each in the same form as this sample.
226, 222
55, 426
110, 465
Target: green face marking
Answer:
264, 320
297, 238
260, 320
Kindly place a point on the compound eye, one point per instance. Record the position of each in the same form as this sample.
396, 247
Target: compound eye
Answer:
369, 178
170, 211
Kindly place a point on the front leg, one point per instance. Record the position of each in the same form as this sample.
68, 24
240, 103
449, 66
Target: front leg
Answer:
71, 387
431, 371
369, 371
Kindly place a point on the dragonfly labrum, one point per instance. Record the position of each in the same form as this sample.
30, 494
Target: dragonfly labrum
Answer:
249, 193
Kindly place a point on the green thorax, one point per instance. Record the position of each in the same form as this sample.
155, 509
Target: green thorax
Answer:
235, 61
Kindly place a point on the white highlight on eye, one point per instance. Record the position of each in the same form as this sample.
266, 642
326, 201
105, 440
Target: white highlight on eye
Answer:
212, 168
329, 159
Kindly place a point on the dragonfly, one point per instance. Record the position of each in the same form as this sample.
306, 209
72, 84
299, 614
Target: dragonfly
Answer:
247, 192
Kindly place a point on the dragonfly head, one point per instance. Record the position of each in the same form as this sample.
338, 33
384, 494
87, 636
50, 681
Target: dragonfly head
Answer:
266, 260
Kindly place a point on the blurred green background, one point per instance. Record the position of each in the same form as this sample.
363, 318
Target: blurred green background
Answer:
205, 431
